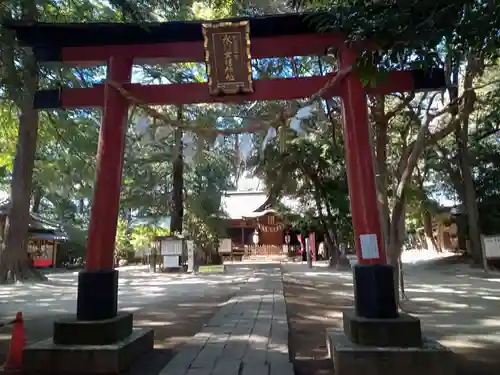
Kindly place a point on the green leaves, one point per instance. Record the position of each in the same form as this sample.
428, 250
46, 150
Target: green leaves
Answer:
409, 34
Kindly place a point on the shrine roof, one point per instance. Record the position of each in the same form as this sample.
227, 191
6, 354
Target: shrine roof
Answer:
248, 204
48, 236
88, 34
238, 204
37, 222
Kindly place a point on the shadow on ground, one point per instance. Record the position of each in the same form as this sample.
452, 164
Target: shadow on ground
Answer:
311, 309
173, 325
458, 307
173, 321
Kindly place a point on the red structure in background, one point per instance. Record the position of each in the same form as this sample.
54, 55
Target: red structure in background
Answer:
121, 45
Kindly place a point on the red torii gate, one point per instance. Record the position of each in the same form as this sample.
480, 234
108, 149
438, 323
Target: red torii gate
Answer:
122, 45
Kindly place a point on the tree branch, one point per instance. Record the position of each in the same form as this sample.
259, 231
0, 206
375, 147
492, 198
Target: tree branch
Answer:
403, 103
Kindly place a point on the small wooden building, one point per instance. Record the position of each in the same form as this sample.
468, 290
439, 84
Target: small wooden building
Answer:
44, 236
250, 226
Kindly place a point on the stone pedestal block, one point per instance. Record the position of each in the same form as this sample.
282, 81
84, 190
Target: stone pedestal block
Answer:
93, 332
403, 331
46, 357
353, 359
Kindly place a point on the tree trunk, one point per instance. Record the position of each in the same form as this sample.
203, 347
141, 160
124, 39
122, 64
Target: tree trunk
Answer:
37, 199
330, 241
470, 201
462, 138
81, 206
397, 224
394, 250
14, 262
429, 235
178, 181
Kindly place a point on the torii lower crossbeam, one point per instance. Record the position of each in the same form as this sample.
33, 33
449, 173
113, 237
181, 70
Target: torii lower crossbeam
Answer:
264, 90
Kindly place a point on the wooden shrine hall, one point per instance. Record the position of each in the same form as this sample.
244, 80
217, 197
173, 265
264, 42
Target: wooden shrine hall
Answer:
254, 229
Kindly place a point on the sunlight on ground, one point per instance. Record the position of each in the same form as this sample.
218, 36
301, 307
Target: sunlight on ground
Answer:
458, 306
458, 341
137, 288
151, 323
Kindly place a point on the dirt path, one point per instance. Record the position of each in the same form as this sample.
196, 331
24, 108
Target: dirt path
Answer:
174, 322
315, 303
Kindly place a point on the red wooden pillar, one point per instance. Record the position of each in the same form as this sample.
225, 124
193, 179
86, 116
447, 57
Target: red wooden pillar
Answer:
98, 284
368, 236
373, 279
106, 201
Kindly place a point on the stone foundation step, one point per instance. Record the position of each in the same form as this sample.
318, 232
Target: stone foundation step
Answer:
265, 257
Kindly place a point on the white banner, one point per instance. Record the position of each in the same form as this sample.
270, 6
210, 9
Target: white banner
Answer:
171, 247
190, 251
170, 261
225, 246
491, 246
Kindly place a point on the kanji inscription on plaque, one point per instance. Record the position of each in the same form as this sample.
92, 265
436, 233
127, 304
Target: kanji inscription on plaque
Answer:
228, 58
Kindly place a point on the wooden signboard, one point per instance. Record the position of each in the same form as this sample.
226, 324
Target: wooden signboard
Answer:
228, 59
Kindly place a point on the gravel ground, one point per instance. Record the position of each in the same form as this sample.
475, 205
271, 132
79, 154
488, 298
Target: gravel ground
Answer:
458, 306
173, 320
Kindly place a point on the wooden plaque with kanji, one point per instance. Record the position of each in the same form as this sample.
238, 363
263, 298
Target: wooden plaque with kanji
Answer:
228, 58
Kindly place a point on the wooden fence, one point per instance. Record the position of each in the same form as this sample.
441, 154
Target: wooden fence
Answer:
263, 250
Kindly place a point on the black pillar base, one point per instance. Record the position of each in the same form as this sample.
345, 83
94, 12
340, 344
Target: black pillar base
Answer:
97, 295
374, 292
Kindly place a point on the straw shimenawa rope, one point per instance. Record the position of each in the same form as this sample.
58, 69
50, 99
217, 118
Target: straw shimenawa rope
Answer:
341, 74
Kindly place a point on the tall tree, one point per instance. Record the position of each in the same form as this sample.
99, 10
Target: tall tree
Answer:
13, 260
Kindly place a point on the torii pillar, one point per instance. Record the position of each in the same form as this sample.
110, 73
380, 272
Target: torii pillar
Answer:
98, 283
376, 337
373, 278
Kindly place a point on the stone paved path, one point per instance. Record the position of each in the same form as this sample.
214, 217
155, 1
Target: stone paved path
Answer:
247, 336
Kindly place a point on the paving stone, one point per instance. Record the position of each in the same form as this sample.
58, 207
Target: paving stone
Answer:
266, 311
279, 326
199, 339
235, 350
242, 331
255, 356
218, 338
254, 369
247, 336
275, 341
277, 354
216, 321
221, 329
196, 371
168, 370
179, 365
207, 357
281, 368
258, 342
227, 367
264, 322
266, 308
262, 330
279, 323
279, 311
228, 307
